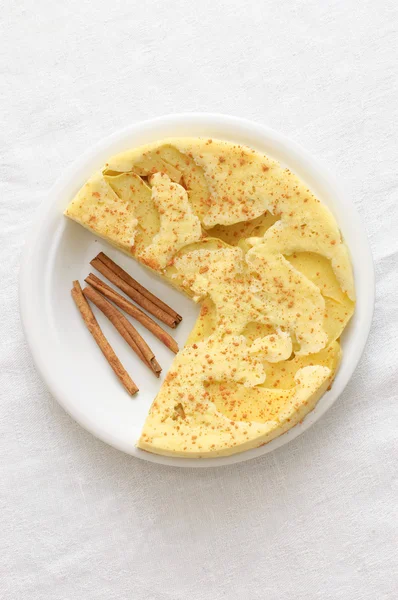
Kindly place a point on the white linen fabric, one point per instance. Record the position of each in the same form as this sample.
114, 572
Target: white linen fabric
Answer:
315, 519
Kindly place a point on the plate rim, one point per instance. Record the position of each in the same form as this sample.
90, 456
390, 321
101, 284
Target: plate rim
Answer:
90, 155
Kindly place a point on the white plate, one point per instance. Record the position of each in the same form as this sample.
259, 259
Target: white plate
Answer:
59, 251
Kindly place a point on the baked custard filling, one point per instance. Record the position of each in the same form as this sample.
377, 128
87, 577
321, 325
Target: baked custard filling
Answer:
244, 237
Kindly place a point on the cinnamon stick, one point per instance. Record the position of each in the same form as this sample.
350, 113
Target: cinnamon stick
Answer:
95, 330
133, 311
125, 328
138, 287
132, 293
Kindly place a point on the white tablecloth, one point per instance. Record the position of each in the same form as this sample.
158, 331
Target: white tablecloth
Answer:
313, 520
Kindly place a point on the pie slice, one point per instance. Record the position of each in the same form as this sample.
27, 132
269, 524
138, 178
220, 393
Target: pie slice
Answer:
245, 238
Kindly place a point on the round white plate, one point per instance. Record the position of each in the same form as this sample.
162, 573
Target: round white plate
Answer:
60, 250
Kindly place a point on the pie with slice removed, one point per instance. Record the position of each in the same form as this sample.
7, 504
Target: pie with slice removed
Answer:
244, 237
